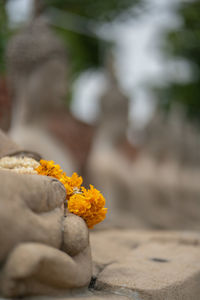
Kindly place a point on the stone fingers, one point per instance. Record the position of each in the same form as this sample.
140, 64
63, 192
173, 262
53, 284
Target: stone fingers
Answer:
45, 228
43, 268
75, 234
39, 193
47, 193
23, 225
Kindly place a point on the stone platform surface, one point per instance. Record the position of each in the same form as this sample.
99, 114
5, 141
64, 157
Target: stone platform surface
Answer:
142, 265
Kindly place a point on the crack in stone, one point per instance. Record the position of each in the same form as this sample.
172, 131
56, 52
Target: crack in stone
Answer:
100, 267
62, 233
97, 286
159, 260
92, 283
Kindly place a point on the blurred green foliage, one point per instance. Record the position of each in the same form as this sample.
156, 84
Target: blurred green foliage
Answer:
84, 52
4, 35
87, 50
184, 43
76, 21
98, 10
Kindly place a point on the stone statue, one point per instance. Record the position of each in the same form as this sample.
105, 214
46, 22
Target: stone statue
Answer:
172, 138
38, 82
114, 106
107, 167
42, 252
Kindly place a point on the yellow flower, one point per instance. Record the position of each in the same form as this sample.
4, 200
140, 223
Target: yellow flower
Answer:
49, 168
72, 184
89, 205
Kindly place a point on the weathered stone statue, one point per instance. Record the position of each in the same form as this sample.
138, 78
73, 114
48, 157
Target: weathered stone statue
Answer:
172, 138
160, 189
107, 167
114, 106
164, 180
41, 251
37, 79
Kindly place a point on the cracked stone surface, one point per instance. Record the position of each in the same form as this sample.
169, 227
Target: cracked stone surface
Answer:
142, 265
147, 265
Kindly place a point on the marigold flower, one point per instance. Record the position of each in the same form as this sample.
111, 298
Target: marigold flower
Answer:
49, 168
88, 204
72, 184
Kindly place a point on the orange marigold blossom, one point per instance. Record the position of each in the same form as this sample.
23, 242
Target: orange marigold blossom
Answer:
86, 203
72, 184
89, 205
49, 168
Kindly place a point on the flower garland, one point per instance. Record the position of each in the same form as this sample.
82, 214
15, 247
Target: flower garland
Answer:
86, 203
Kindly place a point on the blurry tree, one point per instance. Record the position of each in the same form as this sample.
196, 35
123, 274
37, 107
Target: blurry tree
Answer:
184, 43
76, 21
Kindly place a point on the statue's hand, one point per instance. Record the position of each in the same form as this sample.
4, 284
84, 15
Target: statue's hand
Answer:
30, 210
75, 235
42, 251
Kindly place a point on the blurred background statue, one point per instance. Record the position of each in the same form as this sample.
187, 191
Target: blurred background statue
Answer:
172, 137
37, 78
164, 181
108, 165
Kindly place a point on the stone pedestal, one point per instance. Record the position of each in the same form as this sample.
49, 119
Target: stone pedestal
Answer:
142, 265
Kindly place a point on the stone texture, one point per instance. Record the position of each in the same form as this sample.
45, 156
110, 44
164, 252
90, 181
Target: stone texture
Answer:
126, 240
23, 218
77, 295
147, 265
155, 271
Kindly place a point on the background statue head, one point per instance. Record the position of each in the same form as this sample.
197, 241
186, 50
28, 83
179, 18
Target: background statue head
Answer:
37, 71
114, 106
